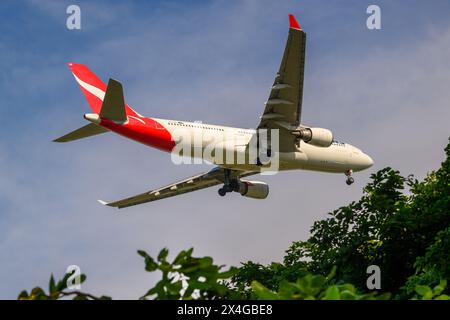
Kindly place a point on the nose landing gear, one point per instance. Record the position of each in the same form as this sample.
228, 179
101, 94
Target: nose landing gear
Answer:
350, 179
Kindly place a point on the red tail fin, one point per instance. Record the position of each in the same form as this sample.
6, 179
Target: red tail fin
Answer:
93, 88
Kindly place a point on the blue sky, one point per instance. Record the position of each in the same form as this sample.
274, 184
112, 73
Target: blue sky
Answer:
385, 91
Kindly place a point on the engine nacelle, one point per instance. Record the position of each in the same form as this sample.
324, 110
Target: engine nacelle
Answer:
318, 137
253, 189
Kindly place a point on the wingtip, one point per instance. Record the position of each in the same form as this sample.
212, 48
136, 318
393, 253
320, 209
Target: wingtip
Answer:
108, 204
293, 24
103, 202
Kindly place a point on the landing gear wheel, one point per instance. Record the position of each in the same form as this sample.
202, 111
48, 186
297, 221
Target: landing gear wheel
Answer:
349, 180
227, 188
230, 184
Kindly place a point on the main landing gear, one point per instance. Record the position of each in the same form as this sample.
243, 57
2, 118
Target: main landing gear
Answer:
229, 185
225, 189
350, 179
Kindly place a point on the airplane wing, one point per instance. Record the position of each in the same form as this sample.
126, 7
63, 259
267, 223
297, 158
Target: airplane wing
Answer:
284, 106
201, 181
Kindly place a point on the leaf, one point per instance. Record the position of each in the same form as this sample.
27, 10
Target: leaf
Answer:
142, 253
303, 283
23, 295
440, 287
179, 258
384, 296
332, 293
262, 292
347, 287
52, 285
205, 262
317, 281
163, 254
62, 284
150, 264
331, 274
194, 284
174, 288
189, 252
38, 294
164, 266
287, 290
424, 291
228, 274
310, 285
348, 295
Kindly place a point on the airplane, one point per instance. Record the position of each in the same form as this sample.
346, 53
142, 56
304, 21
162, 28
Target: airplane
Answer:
299, 146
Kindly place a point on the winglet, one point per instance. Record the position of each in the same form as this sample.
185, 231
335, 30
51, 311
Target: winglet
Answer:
109, 204
293, 24
103, 202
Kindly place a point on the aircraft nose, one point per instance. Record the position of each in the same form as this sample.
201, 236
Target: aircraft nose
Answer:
367, 161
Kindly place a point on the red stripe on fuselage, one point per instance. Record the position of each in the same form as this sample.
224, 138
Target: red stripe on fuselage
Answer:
150, 133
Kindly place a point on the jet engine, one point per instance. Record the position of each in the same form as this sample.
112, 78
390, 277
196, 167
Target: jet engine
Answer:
318, 137
253, 189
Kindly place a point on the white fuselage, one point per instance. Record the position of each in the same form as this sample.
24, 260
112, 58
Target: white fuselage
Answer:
338, 157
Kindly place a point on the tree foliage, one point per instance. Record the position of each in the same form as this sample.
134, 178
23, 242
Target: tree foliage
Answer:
59, 290
188, 277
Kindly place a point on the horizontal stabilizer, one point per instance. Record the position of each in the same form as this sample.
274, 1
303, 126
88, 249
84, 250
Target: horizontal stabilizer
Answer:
89, 130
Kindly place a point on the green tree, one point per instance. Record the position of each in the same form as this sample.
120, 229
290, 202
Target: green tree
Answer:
387, 227
433, 266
